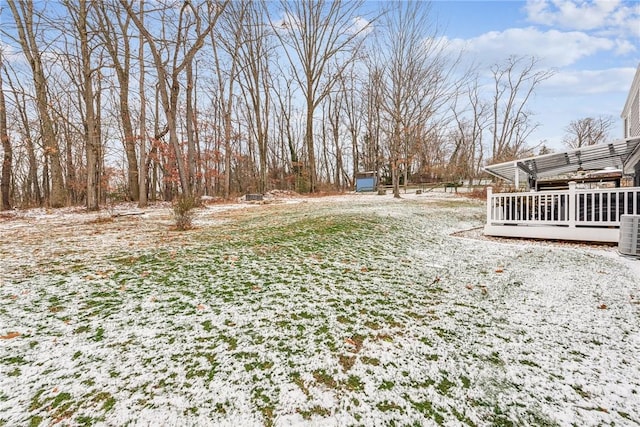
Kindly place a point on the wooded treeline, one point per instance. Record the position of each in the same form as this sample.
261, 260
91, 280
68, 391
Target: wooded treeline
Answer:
148, 100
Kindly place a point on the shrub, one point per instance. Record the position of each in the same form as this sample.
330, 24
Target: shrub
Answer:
183, 211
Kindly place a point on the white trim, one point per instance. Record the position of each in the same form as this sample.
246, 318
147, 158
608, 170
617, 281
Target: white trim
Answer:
586, 234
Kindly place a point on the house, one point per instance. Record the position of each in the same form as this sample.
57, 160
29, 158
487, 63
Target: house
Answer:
631, 122
578, 194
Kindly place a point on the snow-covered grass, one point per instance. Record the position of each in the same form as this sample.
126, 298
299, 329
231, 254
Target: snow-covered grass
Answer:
353, 310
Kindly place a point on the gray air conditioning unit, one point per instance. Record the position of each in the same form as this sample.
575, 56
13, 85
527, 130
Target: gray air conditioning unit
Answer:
629, 242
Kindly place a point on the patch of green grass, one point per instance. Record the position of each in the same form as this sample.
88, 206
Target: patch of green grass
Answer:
99, 334
108, 404
263, 366
372, 325
527, 362
386, 406
297, 380
343, 319
232, 342
374, 361
462, 417
86, 420
426, 407
207, 326
494, 358
386, 385
265, 405
322, 377
316, 410
82, 329
500, 419
444, 386
60, 398
35, 421
354, 383
13, 360
466, 382
15, 373
36, 403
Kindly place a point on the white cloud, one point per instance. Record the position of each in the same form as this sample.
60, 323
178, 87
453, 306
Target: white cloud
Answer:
554, 48
361, 25
612, 16
589, 82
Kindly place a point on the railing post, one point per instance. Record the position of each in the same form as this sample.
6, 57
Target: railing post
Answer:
489, 204
572, 204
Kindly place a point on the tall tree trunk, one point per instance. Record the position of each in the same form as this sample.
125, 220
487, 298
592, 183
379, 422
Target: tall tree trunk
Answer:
142, 171
32, 185
5, 180
311, 153
190, 119
92, 134
24, 26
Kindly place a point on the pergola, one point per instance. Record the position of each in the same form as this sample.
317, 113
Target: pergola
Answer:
622, 155
573, 212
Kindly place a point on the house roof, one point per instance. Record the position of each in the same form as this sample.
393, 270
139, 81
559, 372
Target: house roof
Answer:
593, 157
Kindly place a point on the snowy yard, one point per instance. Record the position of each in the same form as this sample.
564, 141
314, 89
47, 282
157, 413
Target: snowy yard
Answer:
353, 310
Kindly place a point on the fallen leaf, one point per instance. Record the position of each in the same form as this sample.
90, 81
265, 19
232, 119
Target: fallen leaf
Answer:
10, 335
200, 307
55, 390
256, 288
470, 287
499, 270
602, 306
350, 342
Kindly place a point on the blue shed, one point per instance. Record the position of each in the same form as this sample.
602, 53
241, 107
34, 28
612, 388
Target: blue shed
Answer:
365, 181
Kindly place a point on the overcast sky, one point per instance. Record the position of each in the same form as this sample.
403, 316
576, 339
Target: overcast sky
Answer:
593, 45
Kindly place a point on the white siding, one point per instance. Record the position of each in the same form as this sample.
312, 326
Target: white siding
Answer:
634, 117
631, 111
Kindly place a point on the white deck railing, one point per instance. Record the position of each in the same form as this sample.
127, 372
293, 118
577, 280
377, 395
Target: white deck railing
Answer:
572, 208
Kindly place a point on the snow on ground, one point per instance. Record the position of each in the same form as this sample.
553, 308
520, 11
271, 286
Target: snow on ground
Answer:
342, 310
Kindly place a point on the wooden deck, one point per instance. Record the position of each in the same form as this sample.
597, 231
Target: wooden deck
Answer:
573, 214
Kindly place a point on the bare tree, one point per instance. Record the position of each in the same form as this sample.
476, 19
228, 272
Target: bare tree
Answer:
253, 54
142, 169
314, 33
79, 13
416, 82
118, 45
515, 82
5, 178
194, 24
587, 131
470, 124
23, 15
231, 41
32, 191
